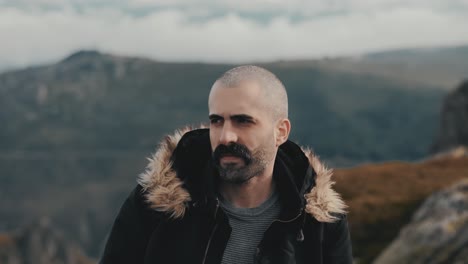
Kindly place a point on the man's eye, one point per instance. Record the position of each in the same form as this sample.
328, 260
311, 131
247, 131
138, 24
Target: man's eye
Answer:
243, 121
215, 121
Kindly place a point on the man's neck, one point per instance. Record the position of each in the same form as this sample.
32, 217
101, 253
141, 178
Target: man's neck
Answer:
249, 194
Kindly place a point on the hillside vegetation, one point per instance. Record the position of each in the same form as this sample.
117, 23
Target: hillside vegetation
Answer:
382, 197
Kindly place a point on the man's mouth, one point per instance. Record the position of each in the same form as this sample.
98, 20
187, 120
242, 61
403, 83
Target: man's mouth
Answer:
230, 159
231, 156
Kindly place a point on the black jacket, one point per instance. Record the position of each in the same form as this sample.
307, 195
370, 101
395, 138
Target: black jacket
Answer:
173, 215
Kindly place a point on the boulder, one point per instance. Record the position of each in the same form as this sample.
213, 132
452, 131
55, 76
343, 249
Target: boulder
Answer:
437, 233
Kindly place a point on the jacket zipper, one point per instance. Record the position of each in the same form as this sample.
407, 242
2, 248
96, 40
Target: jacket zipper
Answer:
290, 220
257, 254
212, 232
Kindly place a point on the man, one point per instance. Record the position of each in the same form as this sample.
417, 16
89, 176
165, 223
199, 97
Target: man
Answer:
238, 192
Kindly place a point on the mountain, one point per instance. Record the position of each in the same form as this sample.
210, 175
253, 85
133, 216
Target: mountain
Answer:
104, 102
3, 68
444, 67
437, 233
456, 55
453, 128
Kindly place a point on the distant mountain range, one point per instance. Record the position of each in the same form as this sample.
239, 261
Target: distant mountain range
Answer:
443, 67
98, 101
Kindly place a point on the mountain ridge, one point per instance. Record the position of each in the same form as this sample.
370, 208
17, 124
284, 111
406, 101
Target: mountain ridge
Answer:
439, 66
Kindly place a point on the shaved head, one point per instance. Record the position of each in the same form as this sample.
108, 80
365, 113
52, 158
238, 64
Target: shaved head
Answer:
274, 93
248, 109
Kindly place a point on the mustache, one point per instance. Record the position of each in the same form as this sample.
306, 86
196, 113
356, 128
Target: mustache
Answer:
233, 149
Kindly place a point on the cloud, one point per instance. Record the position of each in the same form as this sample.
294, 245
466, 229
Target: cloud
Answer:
35, 36
300, 7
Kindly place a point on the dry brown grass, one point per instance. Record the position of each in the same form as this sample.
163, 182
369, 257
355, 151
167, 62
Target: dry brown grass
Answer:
6, 240
382, 197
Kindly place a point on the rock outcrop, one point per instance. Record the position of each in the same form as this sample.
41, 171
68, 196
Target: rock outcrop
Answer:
437, 233
39, 243
453, 130
454, 153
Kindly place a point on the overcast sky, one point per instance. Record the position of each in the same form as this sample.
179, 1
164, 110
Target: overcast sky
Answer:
43, 31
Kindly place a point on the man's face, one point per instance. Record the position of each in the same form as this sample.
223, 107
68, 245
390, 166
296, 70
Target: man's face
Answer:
241, 131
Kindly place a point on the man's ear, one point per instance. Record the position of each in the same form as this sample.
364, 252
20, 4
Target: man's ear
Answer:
283, 127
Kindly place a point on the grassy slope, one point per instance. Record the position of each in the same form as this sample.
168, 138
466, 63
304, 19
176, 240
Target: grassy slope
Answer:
382, 197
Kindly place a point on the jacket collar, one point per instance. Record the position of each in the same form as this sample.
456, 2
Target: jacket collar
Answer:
178, 174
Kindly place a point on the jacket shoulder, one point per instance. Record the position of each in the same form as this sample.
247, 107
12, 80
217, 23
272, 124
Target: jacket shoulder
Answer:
131, 230
337, 241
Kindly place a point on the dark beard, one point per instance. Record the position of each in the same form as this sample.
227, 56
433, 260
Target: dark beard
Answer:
254, 164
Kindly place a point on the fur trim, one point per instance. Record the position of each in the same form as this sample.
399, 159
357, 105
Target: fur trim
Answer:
322, 200
164, 191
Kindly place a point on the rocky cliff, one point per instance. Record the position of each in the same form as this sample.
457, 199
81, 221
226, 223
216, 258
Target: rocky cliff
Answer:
453, 130
437, 233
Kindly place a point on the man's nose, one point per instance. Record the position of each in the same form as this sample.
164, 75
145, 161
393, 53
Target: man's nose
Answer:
228, 135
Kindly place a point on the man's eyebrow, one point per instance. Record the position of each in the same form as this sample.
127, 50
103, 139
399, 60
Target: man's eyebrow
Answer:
242, 116
239, 116
214, 116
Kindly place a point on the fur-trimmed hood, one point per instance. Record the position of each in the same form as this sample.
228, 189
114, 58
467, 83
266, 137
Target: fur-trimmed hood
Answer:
165, 191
